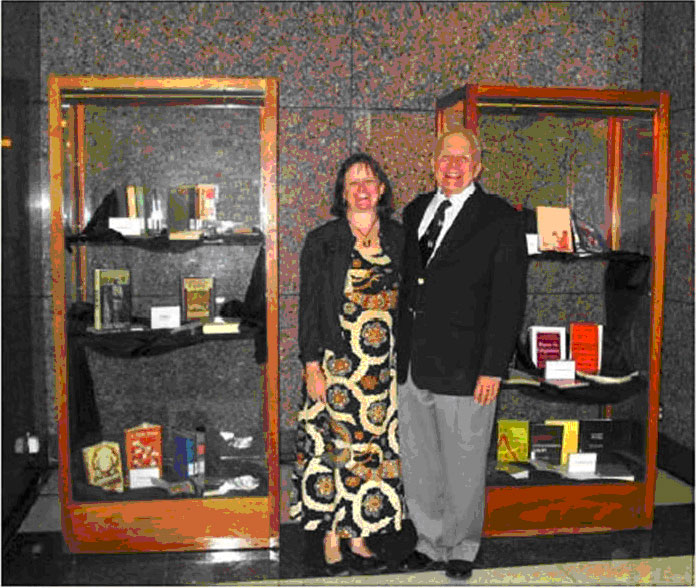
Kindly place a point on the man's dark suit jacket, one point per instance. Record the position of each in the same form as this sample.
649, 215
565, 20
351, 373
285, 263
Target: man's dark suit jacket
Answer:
463, 318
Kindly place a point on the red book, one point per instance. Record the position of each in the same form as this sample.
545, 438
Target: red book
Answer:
586, 347
546, 343
144, 454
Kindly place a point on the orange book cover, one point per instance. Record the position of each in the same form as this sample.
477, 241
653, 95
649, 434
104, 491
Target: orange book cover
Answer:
143, 454
206, 200
586, 347
131, 202
554, 229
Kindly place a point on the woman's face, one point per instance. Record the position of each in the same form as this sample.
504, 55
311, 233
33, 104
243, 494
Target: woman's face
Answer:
362, 189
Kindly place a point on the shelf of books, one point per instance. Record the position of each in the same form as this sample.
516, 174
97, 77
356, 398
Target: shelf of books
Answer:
164, 261
574, 449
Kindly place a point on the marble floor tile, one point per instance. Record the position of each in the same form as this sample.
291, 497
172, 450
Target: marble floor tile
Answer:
44, 516
670, 571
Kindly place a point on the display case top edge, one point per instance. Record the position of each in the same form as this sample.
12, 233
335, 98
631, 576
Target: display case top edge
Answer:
543, 97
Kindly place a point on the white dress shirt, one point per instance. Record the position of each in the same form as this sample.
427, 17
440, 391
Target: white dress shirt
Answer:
457, 201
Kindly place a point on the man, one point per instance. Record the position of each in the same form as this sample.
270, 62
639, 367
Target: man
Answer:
461, 307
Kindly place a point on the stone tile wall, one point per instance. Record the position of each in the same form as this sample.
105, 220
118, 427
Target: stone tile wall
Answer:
358, 75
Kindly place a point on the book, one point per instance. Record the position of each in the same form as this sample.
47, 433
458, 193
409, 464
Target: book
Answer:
595, 436
604, 436
197, 299
221, 326
605, 471
184, 454
131, 203
586, 346
596, 378
181, 207
103, 466
567, 384
554, 228
546, 442
185, 235
546, 343
569, 443
143, 454
112, 299
513, 440
206, 201
516, 470
140, 203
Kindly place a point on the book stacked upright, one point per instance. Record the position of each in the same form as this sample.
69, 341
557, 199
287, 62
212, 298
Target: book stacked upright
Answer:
112, 299
143, 454
546, 343
586, 347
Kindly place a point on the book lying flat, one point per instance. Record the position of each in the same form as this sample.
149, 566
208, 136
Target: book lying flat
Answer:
221, 326
522, 378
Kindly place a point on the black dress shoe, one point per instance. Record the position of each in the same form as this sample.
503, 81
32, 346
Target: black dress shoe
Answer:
459, 569
417, 562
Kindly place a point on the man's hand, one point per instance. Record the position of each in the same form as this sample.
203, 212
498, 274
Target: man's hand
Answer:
487, 388
316, 383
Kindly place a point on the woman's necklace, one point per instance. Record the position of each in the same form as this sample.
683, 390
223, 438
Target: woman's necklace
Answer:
365, 238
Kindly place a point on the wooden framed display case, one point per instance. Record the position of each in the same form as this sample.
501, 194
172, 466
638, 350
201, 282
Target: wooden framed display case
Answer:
604, 154
123, 147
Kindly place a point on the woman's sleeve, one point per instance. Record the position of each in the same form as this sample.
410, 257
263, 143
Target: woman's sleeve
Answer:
310, 287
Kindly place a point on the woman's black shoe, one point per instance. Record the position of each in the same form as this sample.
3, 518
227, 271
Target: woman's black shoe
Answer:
340, 568
367, 565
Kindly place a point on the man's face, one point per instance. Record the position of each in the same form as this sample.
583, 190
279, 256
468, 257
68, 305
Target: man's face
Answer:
362, 189
456, 165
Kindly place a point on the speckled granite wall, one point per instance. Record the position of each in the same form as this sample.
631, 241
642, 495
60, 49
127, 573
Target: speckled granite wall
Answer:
352, 76
669, 65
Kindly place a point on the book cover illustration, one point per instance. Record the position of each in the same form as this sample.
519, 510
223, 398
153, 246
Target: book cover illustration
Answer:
546, 343
112, 299
103, 466
197, 299
586, 347
571, 431
554, 229
513, 440
546, 443
143, 454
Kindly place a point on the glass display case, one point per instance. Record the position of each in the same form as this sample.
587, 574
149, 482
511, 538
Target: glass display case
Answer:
604, 155
165, 316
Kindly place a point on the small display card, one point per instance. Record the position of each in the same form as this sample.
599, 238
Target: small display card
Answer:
580, 463
532, 244
559, 369
131, 227
165, 317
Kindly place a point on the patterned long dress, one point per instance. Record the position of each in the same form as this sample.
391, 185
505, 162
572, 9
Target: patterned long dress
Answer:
347, 474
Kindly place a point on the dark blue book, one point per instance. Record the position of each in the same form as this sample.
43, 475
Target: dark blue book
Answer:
184, 455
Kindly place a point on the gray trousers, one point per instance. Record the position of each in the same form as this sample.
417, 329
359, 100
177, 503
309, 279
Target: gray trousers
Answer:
444, 443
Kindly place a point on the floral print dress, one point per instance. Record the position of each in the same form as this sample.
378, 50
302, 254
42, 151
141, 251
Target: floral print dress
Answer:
347, 473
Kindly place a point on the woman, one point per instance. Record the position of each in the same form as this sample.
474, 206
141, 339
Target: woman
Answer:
347, 472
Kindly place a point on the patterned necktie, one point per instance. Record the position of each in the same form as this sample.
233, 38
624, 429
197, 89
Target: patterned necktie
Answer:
429, 238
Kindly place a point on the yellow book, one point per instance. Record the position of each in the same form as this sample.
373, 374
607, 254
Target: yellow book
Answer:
513, 440
571, 434
103, 466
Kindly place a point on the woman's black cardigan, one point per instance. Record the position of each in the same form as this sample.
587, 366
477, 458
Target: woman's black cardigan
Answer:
324, 263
